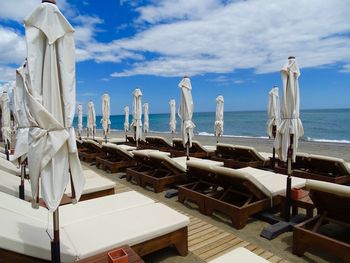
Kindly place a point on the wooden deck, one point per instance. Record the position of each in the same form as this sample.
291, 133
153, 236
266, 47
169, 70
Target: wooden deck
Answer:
208, 242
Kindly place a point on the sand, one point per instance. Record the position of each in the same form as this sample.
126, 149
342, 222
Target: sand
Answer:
280, 246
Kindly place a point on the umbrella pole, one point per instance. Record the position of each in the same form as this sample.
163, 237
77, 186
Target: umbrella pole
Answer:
289, 178
7, 152
55, 243
273, 148
188, 147
21, 186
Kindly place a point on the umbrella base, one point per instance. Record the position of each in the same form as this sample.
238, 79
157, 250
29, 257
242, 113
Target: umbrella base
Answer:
272, 231
21, 191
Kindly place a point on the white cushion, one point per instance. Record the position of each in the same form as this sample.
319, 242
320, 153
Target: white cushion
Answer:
209, 148
202, 163
131, 226
10, 167
239, 255
337, 189
9, 184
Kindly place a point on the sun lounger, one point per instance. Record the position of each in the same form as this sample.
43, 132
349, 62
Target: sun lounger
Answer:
131, 141
243, 192
93, 150
197, 150
319, 167
116, 157
240, 254
158, 143
23, 234
95, 186
238, 156
167, 171
331, 201
143, 165
10, 167
110, 140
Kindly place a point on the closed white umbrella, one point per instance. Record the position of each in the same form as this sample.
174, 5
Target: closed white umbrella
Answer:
137, 114
52, 154
126, 121
290, 128
219, 117
5, 118
273, 112
145, 118
185, 113
91, 120
172, 122
80, 119
106, 112
22, 116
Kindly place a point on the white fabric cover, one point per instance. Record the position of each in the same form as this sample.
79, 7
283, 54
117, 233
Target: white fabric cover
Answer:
240, 254
126, 121
336, 189
172, 122
185, 111
219, 116
106, 112
5, 117
137, 113
290, 122
80, 119
91, 119
124, 227
273, 111
145, 117
21, 112
51, 101
270, 183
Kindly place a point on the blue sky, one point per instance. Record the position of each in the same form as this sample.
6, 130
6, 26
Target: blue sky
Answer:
229, 48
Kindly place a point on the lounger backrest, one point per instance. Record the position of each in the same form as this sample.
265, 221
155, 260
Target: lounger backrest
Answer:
329, 165
92, 145
202, 171
159, 159
157, 141
331, 198
117, 150
178, 145
225, 150
241, 181
249, 153
197, 147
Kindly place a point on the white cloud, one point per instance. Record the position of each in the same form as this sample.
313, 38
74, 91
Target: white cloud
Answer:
7, 74
12, 46
240, 35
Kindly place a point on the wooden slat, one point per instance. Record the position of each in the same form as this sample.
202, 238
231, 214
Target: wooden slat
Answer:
199, 229
205, 237
210, 254
266, 254
214, 244
208, 241
275, 259
205, 232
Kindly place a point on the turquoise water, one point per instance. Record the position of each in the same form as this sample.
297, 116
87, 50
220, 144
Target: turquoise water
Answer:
319, 125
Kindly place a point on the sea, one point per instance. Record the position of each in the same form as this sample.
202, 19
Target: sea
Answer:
326, 125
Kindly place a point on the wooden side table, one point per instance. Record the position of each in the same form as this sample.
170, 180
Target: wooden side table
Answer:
304, 202
103, 257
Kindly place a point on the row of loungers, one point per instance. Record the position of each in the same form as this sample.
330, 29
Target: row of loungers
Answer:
90, 228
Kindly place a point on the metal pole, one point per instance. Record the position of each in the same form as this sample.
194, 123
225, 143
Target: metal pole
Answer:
289, 178
7, 151
21, 186
188, 147
55, 243
273, 148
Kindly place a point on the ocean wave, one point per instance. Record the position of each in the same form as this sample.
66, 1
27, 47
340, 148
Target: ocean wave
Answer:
325, 140
233, 136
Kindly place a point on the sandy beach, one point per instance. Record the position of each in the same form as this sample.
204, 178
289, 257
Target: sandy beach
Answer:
281, 246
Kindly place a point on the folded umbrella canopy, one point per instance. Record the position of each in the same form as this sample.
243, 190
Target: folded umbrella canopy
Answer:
185, 113
137, 114
273, 112
5, 117
52, 154
172, 122
91, 120
80, 119
106, 112
219, 117
145, 118
290, 128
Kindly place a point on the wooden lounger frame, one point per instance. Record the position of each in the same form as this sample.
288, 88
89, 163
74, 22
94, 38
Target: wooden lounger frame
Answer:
331, 210
237, 157
92, 151
158, 144
178, 239
316, 169
195, 151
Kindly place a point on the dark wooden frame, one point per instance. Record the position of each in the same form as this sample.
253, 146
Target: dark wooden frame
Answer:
331, 208
158, 144
195, 151
177, 238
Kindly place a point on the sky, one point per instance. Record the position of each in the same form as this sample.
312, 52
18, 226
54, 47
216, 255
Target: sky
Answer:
230, 48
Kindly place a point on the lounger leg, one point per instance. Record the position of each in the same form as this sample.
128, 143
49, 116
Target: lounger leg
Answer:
299, 247
239, 220
182, 245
